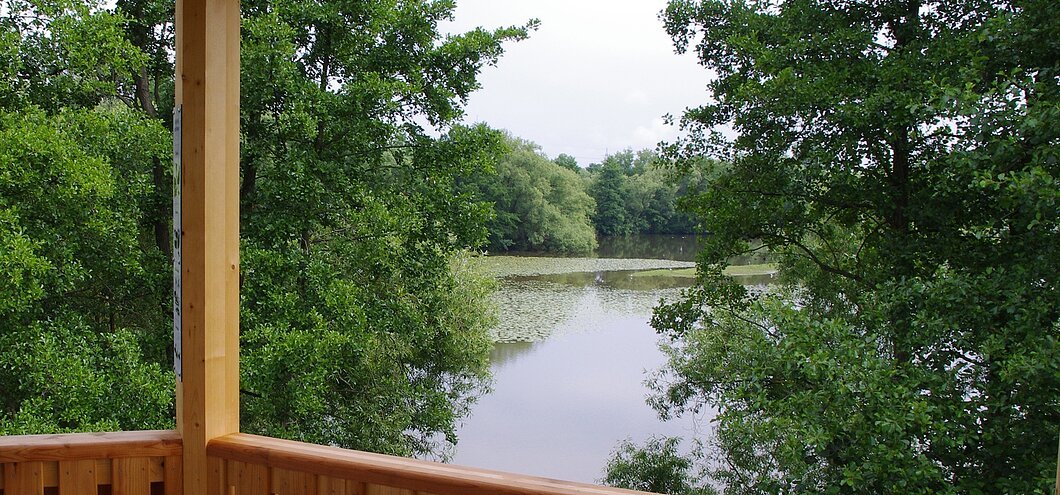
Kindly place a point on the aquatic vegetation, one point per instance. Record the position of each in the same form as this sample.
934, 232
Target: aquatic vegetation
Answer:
534, 310
540, 296
507, 266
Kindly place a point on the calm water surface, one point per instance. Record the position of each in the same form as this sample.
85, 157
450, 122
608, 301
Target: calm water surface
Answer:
562, 404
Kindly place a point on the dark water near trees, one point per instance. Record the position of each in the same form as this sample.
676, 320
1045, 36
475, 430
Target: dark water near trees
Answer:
560, 405
664, 247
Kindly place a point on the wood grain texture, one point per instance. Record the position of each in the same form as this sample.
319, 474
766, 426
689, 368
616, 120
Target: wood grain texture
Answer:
389, 471
24, 478
173, 475
327, 485
155, 469
130, 476
50, 473
78, 477
293, 482
79, 463
104, 471
217, 479
248, 479
207, 91
388, 490
79, 446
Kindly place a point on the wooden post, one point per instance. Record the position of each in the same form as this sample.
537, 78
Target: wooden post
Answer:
207, 104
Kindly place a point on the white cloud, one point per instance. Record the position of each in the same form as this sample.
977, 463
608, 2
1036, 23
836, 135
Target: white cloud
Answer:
596, 78
636, 97
648, 136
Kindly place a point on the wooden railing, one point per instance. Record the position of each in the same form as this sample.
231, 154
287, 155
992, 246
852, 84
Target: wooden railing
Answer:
248, 464
149, 463
121, 463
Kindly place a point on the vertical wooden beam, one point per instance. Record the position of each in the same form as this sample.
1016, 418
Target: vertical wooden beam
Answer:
207, 99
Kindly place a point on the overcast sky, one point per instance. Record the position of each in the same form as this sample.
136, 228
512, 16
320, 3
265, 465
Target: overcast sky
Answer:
595, 78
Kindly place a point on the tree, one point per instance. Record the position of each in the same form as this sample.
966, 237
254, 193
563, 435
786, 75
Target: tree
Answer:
83, 333
538, 204
897, 158
654, 205
361, 325
636, 196
80, 310
610, 189
657, 467
566, 161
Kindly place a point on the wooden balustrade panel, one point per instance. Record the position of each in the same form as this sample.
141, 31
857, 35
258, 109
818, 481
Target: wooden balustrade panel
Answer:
327, 485
124, 476
118, 463
173, 475
288, 482
247, 478
387, 490
104, 471
78, 478
24, 478
131, 476
216, 482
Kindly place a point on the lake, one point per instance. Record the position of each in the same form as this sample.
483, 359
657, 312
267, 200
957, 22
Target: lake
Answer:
569, 376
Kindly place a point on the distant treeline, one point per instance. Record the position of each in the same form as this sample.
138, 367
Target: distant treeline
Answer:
555, 205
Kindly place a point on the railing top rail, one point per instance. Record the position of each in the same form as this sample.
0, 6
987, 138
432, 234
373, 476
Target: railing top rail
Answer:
431, 477
73, 446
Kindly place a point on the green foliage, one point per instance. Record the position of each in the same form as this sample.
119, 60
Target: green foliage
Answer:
895, 158
83, 328
656, 467
357, 331
80, 297
539, 205
64, 54
555, 206
610, 189
361, 325
634, 196
568, 162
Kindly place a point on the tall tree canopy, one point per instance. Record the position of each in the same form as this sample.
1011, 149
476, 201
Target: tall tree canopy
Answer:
901, 159
356, 330
360, 325
539, 205
634, 195
84, 335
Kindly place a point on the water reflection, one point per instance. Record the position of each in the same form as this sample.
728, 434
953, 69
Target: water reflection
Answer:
505, 353
569, 379
560, 406
664, 247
